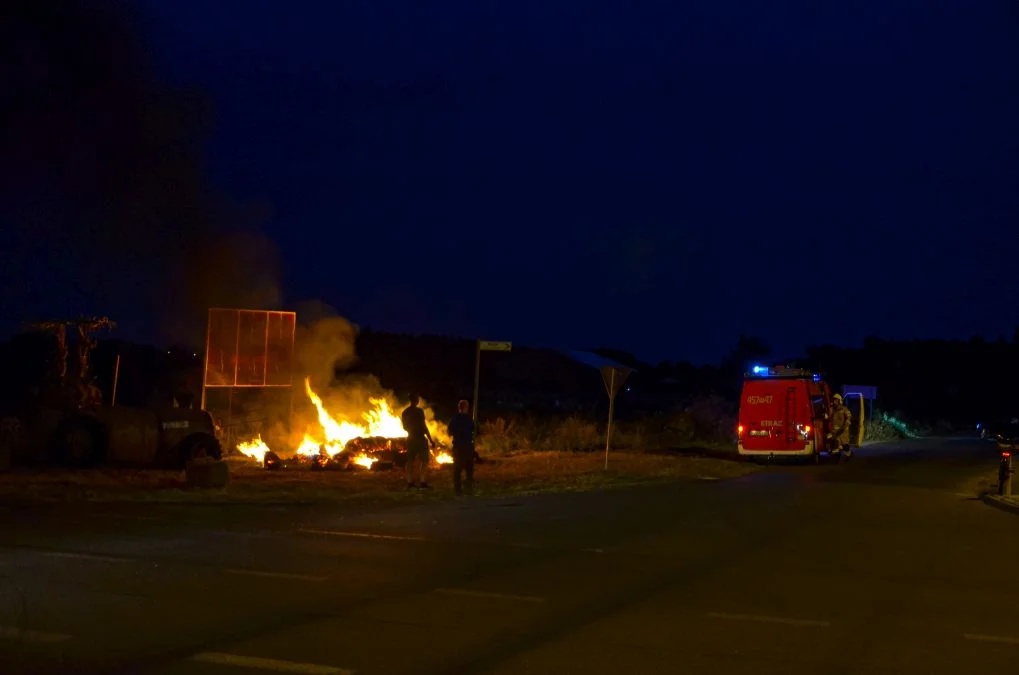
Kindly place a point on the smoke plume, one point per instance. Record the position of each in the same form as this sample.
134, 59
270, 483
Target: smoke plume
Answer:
102, 175
325, 348
325, 342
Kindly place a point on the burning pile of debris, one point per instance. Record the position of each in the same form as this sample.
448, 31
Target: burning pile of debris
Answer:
377, 442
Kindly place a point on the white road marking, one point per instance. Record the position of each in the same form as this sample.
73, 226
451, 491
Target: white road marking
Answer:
361, 535
84, 556
768, 619
26, 635
269, 664
991, 638
274, 575
486, 594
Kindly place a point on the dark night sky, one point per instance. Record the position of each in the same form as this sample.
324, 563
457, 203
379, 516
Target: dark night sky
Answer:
655, 176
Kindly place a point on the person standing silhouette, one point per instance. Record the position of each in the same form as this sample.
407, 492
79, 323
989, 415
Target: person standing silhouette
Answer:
461, 430
418, 442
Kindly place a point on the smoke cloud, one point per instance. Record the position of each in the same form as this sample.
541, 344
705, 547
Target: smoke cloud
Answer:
102, 174
325, 347
324, 343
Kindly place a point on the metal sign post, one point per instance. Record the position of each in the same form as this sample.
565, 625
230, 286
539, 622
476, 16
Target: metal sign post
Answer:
116, 379
613, 379
484, 346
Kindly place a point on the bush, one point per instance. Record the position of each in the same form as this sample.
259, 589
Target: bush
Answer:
714, 420
705, 422
633, 436
574, 433
499, 436
893, 427
878, 430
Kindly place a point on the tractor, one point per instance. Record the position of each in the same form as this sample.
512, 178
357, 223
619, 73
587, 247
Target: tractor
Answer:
65, 421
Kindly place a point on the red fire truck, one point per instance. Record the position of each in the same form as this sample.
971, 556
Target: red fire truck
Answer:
783, 412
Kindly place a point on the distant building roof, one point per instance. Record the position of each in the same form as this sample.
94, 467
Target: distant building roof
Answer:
592, 359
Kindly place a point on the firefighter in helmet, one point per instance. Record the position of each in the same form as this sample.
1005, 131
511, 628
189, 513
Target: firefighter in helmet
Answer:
841, 418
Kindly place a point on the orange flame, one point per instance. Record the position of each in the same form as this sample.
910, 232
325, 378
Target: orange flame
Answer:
379, 420
255, 448
337, 433
364, 460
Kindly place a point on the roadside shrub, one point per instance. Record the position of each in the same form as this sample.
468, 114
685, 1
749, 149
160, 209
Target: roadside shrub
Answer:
713, 419
896, 421
878, 430
679, 430
631, 436
574, 433
499, 436
704, 422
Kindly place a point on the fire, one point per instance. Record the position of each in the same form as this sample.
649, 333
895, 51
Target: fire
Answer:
255, 448
379, 420
364, 460
337, 433
309, 447
382, 421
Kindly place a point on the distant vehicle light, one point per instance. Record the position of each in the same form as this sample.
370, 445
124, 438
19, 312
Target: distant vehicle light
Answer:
807, 428
817, 378
760, 370
739, 430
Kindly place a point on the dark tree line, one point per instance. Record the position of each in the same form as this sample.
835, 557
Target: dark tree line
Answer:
959, 382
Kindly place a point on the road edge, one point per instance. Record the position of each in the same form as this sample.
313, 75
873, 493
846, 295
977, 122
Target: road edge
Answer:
994, 501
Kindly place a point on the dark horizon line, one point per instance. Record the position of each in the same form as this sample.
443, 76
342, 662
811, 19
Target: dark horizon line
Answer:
361, 329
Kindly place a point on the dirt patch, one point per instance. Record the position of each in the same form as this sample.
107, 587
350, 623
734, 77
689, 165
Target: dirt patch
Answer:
522, 473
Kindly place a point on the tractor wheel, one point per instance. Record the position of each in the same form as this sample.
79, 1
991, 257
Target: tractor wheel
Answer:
200, 446
80, 444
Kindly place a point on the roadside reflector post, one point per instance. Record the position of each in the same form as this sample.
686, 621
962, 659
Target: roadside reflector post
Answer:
613, 379
1005, 474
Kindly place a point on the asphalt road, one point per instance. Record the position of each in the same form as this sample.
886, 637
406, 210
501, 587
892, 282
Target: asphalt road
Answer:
877, 566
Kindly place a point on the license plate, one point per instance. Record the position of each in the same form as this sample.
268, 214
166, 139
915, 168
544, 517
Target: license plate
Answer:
760, 433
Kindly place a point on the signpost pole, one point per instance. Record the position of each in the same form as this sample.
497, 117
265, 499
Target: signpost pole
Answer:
485, 346
612, 405
116, 379
477, 380
205, 364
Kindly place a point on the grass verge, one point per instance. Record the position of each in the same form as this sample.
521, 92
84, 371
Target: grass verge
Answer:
515, 474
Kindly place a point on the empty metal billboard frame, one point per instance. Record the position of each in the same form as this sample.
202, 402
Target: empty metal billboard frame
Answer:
263, 354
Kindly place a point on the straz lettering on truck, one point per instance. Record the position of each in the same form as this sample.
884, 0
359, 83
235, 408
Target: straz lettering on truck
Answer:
183, 424
771, 423
758, 400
